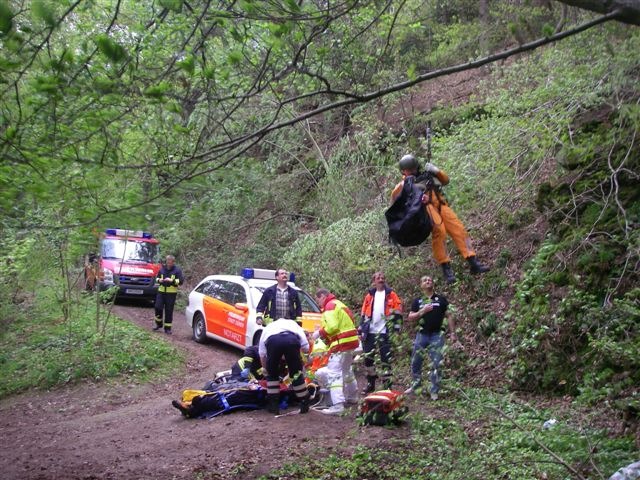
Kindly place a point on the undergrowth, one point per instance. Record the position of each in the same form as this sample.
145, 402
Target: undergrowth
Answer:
40, 350
475, 434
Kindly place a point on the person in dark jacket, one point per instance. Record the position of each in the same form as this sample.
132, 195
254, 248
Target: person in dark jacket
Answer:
169, 278
280, 301
249, 366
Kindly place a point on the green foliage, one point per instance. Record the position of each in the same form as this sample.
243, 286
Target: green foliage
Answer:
6, 18
110, 48
41, 351
495, 445
173, 5
44, 10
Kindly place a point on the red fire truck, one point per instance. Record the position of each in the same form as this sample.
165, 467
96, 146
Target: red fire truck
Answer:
128, 259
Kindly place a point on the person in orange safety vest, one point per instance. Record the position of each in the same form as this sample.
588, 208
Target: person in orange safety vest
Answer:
339, 333
443, 219
381, 315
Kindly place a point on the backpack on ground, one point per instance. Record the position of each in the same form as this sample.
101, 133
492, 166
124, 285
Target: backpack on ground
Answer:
409, 224
384, 407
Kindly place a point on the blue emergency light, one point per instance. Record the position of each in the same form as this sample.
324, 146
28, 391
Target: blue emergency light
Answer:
128, 233
259, 273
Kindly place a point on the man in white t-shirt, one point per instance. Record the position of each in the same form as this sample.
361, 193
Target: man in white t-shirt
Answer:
381, 315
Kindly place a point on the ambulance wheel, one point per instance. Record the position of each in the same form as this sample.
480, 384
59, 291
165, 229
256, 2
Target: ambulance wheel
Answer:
199, 328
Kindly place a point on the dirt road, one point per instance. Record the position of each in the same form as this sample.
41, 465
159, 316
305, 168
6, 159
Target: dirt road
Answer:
101, 431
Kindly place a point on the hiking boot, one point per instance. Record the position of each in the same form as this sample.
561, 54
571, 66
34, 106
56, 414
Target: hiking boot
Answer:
273, 404
414, 389
449, 277
184, 409
336, 409
370, 387
304, 406
476, 267
157, 327
168, 332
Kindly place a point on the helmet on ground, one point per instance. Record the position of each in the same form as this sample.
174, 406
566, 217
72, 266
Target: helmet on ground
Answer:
408, 162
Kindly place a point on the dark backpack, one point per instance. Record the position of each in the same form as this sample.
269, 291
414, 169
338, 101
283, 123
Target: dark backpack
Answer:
408, 222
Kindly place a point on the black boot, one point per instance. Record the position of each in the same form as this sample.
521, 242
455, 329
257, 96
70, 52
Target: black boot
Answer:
476, 267
449, 277
371, 385
273, 404
304, 405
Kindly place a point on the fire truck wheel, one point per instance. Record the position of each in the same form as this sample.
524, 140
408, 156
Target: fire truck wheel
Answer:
199, 328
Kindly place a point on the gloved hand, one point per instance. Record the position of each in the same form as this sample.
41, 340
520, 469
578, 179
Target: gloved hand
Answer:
245, 373
259, 319
431, 168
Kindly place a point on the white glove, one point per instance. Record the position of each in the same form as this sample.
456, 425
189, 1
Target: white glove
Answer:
430, 167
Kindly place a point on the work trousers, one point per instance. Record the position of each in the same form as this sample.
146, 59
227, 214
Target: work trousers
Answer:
285, 345
382, 343
445, 222
341, 380
165, 303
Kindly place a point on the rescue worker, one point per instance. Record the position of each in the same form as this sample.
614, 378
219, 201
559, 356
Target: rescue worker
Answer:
429, 311
318, 374
284, 338
169, 278
279, 301
248, 367
443, 219
338, 331
381, 315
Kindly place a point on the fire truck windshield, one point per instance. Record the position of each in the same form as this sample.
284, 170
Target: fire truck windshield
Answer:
129, 250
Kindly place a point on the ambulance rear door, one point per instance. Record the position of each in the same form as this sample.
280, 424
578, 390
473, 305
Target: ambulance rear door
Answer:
226, 312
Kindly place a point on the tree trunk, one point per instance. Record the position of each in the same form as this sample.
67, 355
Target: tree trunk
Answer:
629, 9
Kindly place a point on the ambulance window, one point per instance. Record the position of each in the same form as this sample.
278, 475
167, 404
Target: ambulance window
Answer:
237, 292
203, 287
226, 292
209, 288
307, 303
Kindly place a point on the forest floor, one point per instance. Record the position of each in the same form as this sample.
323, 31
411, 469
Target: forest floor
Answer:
129, 431
122, 431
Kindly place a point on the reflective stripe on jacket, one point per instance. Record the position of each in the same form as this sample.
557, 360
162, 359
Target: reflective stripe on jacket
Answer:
175, 274
338, 329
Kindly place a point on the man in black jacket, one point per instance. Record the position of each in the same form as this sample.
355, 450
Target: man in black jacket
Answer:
280, 300
169, 278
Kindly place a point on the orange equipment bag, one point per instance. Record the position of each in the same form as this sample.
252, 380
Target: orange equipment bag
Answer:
384, 407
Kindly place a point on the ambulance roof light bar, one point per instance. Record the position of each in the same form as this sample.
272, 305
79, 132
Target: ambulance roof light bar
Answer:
121, 232
263, 274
